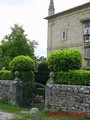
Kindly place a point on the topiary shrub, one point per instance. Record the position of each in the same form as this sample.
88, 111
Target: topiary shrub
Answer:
43, 66
25, 65
22, 63
43, 73
42, 77
65, 60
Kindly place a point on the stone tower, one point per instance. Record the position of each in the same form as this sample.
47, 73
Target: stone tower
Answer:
51, 9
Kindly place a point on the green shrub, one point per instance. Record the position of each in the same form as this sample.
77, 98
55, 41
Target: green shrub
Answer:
65, 60
43, 73
73, 77
22, 63
6, 75
43, 66
40, 91
25, 65
42, 77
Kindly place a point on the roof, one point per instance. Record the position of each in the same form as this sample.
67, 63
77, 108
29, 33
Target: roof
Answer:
86, 5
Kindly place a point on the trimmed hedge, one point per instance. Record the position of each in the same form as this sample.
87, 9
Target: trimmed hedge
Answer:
73, 77
22, 63
43, 73
42, 77
25, 65
40, 91
65, 60
6, 75
43, 66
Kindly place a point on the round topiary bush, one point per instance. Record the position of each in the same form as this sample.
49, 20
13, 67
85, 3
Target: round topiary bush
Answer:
43, 66
65, 60
25, 65
22, 63
42, 75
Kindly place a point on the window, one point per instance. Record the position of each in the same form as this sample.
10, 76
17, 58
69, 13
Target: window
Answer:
64, 34
87, 52
87, 31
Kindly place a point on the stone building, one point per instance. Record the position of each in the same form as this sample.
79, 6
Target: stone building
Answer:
70, 29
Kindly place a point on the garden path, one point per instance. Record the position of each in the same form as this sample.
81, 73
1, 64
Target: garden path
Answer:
6, 115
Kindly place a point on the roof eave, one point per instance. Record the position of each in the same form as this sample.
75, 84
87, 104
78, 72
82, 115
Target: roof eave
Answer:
68, 11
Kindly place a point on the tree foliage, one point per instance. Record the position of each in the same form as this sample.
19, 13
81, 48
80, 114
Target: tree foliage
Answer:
15, 44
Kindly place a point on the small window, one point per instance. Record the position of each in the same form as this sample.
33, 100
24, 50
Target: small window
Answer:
64, 34
87, 52
87, 38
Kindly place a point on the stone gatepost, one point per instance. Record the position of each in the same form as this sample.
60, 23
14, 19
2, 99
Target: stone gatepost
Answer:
49, 90
16, 90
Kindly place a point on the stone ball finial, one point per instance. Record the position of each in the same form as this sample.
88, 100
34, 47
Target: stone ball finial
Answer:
17, 73
3, 68
52, 74
34, 113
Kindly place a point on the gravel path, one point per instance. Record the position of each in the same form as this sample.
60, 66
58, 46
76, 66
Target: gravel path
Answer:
6, 115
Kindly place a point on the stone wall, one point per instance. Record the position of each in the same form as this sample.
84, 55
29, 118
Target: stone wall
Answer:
70, 98
11, 91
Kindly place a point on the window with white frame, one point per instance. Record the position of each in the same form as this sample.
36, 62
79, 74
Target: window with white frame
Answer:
87, 31
64, 34
87, 53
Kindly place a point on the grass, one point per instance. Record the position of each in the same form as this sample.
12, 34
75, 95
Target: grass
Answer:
43, 114
16, 110
10, 108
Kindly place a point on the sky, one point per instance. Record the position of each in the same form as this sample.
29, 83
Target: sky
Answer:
31, 14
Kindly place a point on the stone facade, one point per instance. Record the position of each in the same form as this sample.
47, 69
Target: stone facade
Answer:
68, 98
11, 91
71, 22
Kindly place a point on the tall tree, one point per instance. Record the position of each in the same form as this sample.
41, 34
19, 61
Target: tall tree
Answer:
16, 43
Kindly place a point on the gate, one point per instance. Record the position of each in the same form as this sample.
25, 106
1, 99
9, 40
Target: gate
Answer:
39, 95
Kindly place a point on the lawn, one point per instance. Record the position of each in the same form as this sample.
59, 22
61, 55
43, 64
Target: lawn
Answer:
43, 114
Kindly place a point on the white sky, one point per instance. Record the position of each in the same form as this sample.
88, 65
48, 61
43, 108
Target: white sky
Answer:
30, 14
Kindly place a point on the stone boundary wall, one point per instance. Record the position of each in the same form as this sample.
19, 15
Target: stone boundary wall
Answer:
69, 98
11, 91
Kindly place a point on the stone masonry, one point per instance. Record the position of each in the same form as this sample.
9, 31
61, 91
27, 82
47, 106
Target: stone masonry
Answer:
11, 91
72, 22
69, 98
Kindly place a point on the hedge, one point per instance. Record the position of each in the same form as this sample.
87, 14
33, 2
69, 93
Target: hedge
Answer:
6, 75
22, 63
43, 66
65, 60
25, 65
40, 91
73, 77
43, 73
41, 77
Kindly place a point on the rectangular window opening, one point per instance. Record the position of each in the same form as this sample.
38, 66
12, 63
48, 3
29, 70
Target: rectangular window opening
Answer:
87, 31
64, 34
87, 53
